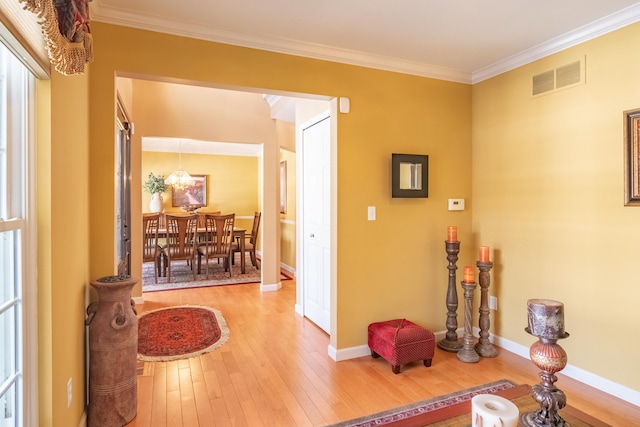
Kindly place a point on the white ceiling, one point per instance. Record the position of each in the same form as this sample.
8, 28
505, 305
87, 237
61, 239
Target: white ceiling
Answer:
194, 146
465, 40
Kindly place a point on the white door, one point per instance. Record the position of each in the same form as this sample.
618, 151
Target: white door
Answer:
316, 243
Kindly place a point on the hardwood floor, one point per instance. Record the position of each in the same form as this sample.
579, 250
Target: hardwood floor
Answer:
275, 371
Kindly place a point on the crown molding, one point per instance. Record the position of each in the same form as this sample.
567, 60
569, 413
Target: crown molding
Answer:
116, 16
582, 34
595, 29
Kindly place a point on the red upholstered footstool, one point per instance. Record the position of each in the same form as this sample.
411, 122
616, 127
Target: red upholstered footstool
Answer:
400, 341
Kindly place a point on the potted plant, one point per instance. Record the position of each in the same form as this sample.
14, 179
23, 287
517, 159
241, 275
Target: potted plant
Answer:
155, 185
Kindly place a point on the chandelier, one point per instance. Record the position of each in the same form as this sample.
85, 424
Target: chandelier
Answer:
179, 178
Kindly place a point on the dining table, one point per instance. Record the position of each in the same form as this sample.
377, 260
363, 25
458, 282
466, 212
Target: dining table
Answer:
238, 233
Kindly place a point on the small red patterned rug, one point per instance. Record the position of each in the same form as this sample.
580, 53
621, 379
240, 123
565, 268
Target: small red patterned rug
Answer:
180, 333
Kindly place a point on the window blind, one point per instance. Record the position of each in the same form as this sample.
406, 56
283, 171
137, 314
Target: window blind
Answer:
22, 35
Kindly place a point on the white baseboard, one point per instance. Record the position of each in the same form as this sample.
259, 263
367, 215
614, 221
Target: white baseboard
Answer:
288, 269
622, 392
138, 300
270, 288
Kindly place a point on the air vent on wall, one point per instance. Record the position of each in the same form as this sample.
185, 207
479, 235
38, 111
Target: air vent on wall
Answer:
558, 78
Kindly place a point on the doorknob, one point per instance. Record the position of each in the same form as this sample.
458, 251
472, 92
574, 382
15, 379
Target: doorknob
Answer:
312, 235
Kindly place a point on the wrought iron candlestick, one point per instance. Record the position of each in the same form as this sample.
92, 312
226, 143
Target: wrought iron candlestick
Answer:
450, 342
468, 353
484, 346
546, 321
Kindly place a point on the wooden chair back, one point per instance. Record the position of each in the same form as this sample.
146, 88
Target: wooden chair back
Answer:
218, 239
202, 215
150, 226
151, 250
181, 234
253, 237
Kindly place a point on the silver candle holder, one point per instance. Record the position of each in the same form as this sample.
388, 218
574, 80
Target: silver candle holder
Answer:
546, 321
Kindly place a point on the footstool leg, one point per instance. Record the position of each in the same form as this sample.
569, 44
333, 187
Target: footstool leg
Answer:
427, 362
395, 369
374, 354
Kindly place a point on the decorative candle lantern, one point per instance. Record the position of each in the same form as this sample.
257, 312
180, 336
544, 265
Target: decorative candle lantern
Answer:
546, 321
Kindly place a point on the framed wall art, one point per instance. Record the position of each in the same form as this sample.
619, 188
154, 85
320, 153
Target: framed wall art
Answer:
632, 157
409, 175
193, 196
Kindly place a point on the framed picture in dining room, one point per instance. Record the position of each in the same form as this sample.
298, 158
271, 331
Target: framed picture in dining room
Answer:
193, 196
283, 186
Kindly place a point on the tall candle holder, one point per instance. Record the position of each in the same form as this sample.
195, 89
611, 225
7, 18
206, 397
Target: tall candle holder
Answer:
484, 347
467, 353
546, 321
450, 342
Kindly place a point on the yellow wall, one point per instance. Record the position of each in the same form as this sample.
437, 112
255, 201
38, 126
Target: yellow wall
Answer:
390, 113
548, 199
232, 181
63, 238
288, 239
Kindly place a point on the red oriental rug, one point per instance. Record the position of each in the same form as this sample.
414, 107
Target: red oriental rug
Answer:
454, 410
410, 415
180, 333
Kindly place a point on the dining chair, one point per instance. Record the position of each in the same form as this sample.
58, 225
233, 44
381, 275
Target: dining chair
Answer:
181, 240
218, 240
202, 214
251, 241
151, 249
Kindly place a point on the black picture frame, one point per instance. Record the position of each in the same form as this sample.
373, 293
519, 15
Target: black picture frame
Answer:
409, 176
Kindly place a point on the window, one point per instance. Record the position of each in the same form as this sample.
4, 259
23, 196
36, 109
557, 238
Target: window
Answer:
16, 237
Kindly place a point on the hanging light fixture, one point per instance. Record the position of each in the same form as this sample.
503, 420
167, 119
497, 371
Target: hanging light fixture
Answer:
179, 178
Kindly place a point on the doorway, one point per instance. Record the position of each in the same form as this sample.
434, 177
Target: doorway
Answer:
315, 227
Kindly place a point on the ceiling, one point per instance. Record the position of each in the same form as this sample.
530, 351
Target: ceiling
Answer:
466, 41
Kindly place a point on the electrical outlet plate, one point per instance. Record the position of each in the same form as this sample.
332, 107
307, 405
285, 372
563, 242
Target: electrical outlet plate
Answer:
493, 303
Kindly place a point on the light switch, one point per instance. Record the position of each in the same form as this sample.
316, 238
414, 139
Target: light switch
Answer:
456, 204
371, 213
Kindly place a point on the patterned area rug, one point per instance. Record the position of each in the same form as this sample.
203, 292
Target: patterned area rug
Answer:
180, 333
403, 414
182, 276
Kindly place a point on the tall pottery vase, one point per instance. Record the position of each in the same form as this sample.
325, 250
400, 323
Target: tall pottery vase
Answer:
113, 349
156, 204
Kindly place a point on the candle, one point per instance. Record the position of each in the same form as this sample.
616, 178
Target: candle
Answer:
468, 274
546, 318
492, 410
484, 254
452, 233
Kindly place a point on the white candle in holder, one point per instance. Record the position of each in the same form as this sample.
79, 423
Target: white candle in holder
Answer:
489, 410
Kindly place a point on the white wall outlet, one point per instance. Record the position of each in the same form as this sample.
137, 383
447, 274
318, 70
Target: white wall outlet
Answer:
493, 303
371, 213
456, 204
69, 392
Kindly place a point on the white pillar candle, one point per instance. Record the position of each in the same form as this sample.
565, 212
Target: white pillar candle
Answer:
488, 410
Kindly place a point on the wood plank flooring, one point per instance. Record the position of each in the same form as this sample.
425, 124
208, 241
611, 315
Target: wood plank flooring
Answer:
275, 371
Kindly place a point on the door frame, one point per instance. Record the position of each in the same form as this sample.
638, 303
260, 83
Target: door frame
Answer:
333, 154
